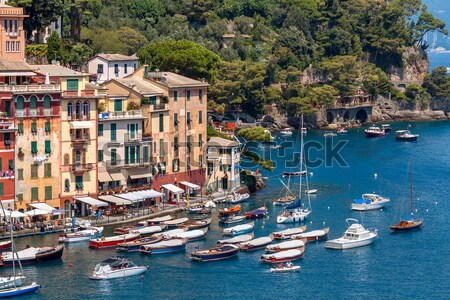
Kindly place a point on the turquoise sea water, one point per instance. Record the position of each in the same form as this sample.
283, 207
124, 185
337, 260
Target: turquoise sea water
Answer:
397, 266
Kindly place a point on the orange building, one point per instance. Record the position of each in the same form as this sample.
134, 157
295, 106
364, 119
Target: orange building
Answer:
12, 34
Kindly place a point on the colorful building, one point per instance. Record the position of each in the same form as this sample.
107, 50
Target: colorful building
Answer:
110, 66
12, 34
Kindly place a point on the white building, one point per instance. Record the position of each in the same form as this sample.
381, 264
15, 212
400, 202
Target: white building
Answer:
111, 66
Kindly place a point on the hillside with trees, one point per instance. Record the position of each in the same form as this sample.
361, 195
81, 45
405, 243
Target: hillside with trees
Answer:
253, 52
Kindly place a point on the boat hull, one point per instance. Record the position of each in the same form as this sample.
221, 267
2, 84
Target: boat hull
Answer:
120, 273
375, 134
5, 245
20, 290
415, 226
204, 256
366, 207
247, 248
406, 139
294, 218
51, 254
68, 239
336, 245
164, 250
281, 260
285, 269
101, 244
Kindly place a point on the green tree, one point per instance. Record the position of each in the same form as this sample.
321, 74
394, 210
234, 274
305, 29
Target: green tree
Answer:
132, 39
426, 23
437, 83
54, 47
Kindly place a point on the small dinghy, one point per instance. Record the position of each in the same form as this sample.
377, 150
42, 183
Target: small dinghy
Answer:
282, 256
229, 210
256, 244
196, 224
216, 253
239, 229
236, 240
116, 267
256, 213
232, 219
292, 244
170, 232
287, 233
312, 191
112, 241
190, 236
156, 221
284, 268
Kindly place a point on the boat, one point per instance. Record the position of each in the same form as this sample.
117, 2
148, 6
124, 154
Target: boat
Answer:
196, 224
291, 244
296, 212
195, 208
342, 130
17, 291
82, 235
311, 191
189, 236
201, 217
216, 253
229, 210
369, 202
163, 247
116, 267
5, 245
170, 232
237, 198
287, 233
205, 210
386, 127
156, 221
136, 244
405, 136
237, 239
174, 223
11, 282
329, 134
286, 131
294, 174
288, 198
256, 213
408, 223
282, 256
272, 138
112, 241
284, 268
32, 255
149, 230
374, 131
256, 244
314, 235
238, 229
355, 236
231, 219
128, 229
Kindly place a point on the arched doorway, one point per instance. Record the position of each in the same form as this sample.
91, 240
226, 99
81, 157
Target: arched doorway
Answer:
361, 116
346, 116
330, 117
67, 209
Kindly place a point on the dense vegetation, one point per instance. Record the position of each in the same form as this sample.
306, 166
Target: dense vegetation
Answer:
255, 134
245, 47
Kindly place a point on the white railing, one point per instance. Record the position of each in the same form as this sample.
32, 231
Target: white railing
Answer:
30, 87
121, 114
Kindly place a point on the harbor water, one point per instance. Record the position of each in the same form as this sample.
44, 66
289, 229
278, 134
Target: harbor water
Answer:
414, 265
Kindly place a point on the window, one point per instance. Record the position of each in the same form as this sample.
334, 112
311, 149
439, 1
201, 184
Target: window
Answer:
188, 144
200, 140
100, 155
34, 148
113, 131
19, 174
48, 147
48, 192
116, 70
19, 103
100, 129
6, 25
188, 117
86, 109
135, 66
175, 143
66, 185
200, 117
175, 165
188, 162
79, 182
47, 170
132, 155
188, 95
161, 122
33, 102
152, 100
127, 157
34, 193
34, 171
33, 127
113, 157
125, 67
70, 109
7, 139
47, 127
200, 161
72, 84
161, 147
11, 164
175, 120
15, 26
19, 197
17, 46
2, 191
7, 46
66, 159
78, 109
20, 128
117, 104
145, 149
175, 96
10, 26
100, 68
13, 46
200, 94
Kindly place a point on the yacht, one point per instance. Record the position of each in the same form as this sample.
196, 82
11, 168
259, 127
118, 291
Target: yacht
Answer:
369, 202
374, 131
117, 267
355, 236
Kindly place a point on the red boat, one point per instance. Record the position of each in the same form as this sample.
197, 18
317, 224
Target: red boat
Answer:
229, 210
374, 131
112, 241
5, 245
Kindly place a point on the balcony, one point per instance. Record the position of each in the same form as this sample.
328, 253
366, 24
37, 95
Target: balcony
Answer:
6, 126
30, 88
79, 167
158, 107
37, 112
76, 117
83, 138
82, 93
132, 137
131, 114
118, 164
33, 112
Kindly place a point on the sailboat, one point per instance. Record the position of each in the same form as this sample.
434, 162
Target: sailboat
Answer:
288, 198
408, 223
13, 285
295, 212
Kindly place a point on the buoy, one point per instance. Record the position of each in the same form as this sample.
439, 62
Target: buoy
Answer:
142, 276
70, 265
375, 175
264, 222
323, 223
262, 227
311, 173
310, 222
416, 209
328, 208
152, 223
435, 203
426, 210
381, 209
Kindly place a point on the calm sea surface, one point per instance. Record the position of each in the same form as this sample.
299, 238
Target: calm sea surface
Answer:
397, 266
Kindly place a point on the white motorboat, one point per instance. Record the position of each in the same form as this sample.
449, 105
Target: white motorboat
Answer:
287, 233
282, 256
284, 268
163, 247
314, 235
236, 240
329, 134
232, 219
191, 235
355, 236
237, 198
11, 281
256, 244
291, 244
117, 267
239, 229
374, 131
295, 216
82, 235
286, 131
84, 224
149, 230
369, 202
175, 222
311, 191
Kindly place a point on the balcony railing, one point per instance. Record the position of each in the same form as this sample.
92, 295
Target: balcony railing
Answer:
120, 114
121, 163
40, 111
82, 93
80, 138
158, 107
132, 137
33, 112
75, 117
79, 167
30, 87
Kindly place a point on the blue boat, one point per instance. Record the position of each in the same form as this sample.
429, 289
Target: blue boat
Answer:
216, 253
168, 246
17, 291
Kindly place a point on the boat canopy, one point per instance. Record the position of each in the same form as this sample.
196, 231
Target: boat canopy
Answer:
408, 218
361, 201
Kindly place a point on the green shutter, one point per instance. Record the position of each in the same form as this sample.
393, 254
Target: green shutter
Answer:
100, 129
48, 192
113, 132
48, 170
47, 101
145, 154
48, 148
138, 154
118, 105
126, 154
113, 157
175, 96
152, 100
1, 163
34, 148
47, 126
19, 174
33, 102
161, 123
33, 127
20, 128
72, 84
34, 193
132, 155
79, 182
2, 192
7, 139
20, 102
100, 155
11, 164
200, 94
188, 95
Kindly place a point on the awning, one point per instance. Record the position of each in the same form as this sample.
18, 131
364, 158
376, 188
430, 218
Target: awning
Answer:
172, 188
13, 214
191, 185
81, 124
117, 176
131, 196
136, 173
7, 204
91, 201
104, 177
42, 206
149, 194
17, 73
37, 212
114, 199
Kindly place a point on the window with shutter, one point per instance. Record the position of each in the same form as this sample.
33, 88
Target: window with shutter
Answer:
117, 104
100, 129
34, 148
72, 84
48, 148
47, 127
20, 128
34, 193
33, 127
79, 182
48, 192
11, 164
161, 123
34, 171
2, 192
113, 131
175, 96
48, 170
145, 154
113, 157
100, 155
19, 174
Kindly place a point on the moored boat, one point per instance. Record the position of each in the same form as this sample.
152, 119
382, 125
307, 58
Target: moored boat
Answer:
369, 202
229, 210
170, 232
149, 230
374, 131
287, 233
286, 131
291, 244
237, 239
284, 200
5, 245
282, 256
294, 174
216, 253
17, 291
136, 244
237, 198
256, 244
196, 224
116, 267
405, 136
127, 229
386, 127
256, 213
238, 229
156, 221
33, 255
175, 222
329, 134
314, 235
163, 247
82, 235
193, 209
11, 281
189, 236
112, 241
231, 219
355, 236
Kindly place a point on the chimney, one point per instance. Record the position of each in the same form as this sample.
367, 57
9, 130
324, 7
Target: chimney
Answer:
145, 71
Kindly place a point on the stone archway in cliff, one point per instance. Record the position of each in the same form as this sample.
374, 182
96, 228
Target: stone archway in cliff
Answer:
346, 116
330, 117
361, 116
228, 117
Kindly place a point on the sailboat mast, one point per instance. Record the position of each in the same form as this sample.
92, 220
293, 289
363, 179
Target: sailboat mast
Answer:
301, 161
410, 185
289, 182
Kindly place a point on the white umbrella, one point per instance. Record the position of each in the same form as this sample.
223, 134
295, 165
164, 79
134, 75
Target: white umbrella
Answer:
36, 212
13, 214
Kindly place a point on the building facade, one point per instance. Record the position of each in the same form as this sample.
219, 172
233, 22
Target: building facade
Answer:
110, 66
12, 34
7, 143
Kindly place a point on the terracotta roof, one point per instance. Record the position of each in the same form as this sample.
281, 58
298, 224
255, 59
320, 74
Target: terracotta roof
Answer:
173, 80
56, 70
140, 85
220, 142
116, 57
13, 65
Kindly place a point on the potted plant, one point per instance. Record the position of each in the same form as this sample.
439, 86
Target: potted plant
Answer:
20, 154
